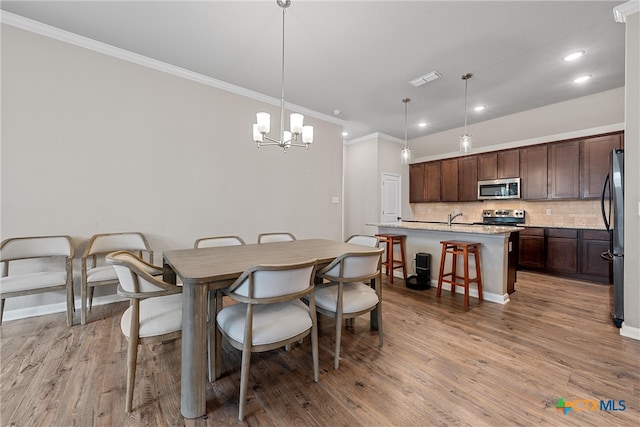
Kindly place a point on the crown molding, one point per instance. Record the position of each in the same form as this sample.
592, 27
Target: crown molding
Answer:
623, 10
125, 55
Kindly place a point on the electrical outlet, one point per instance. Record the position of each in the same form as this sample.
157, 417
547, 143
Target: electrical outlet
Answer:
548, 211
335, 200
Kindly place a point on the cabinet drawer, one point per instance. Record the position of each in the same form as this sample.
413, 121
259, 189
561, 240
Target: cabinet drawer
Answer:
595, 235
561, 232
532, 232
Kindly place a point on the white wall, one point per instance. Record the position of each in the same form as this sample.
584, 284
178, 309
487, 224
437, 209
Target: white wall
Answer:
361, 187
94, 144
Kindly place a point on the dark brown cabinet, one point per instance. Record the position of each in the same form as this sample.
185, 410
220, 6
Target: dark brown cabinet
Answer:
499, 165
565, 252
564, 170
562, 250
533, 172
508, 164
468, 179
432, 178
531, 248
416, 183
449, 181
593, 243
594, 164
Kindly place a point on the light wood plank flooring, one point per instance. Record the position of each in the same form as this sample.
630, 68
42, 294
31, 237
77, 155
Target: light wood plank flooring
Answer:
441, 364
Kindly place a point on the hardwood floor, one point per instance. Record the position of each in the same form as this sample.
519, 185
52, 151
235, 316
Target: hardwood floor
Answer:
441, 364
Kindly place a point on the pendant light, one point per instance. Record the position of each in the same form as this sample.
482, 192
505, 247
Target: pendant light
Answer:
297, 130
405, 154
465, 138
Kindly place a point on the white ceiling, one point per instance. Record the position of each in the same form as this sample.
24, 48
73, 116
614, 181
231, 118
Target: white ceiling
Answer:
359, 56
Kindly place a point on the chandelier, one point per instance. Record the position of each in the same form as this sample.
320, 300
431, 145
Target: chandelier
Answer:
405, 154
465, 138
297, 130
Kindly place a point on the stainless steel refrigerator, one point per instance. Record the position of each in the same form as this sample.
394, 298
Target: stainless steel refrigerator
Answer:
612, 204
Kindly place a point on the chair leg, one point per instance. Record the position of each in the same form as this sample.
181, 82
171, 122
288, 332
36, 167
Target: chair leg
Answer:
336, 358
211, 339
314, 347
379, 309
132, 357
71, 307
441, 273
1, 310
244, 379
465, 254
90, 291
479, 273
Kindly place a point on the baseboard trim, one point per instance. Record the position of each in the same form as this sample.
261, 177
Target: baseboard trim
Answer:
630, 332
61, 307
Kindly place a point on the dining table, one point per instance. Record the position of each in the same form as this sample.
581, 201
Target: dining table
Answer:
206, 271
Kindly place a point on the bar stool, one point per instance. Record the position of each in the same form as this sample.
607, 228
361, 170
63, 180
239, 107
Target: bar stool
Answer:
456, 248
390, 240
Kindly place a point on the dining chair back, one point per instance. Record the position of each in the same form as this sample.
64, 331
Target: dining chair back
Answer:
218, 241
276, 237
364, 240
39, 264
346, 296
269, 314
155, 313
95, 271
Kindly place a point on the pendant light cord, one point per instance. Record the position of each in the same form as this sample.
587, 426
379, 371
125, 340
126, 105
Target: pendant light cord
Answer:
284, 10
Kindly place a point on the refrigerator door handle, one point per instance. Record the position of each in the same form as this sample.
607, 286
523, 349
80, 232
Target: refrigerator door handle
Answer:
605, 218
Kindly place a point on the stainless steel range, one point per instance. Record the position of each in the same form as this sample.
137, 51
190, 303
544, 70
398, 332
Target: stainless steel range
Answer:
503, 217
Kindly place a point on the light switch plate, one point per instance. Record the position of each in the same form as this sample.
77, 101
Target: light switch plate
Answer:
335, 200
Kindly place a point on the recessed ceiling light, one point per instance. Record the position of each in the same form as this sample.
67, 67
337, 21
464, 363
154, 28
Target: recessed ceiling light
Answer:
479, 107
422, 124
582, 79
345, 133
573, 56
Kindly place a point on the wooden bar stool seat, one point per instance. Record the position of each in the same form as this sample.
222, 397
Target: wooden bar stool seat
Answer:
390, 263
464, 249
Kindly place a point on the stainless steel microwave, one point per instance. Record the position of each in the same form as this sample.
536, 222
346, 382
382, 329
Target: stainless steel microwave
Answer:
499, 189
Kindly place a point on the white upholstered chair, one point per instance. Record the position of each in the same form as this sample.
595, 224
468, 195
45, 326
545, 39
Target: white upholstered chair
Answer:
39, 264
276, 237
346, 296
155, 313
364, 240
94, 270
269, 314
217, 241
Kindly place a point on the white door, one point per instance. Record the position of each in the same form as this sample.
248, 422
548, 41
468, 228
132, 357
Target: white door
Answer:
391, 197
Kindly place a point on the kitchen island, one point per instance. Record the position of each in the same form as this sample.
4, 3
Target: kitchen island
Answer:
498, 251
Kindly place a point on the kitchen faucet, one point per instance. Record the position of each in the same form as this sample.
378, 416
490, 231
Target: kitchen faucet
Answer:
451, 217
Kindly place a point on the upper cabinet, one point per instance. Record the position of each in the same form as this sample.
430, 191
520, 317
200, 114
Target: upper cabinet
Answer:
594, 163
468, 179
449, 180
564, 170
499, 165
432, 179
416, 183
533, 172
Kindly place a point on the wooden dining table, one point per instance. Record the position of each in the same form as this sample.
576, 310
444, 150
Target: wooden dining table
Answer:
212, 269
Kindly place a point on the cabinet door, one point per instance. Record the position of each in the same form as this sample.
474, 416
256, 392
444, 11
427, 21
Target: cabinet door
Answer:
467, 179
564, 170
432, 181
416, 183
508, 164
594, 163
449, 181
593, 243
533, 168
562, 250
531, 248
488, 166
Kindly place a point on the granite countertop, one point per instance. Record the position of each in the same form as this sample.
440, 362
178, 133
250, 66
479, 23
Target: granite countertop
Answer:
455, 227
572, 226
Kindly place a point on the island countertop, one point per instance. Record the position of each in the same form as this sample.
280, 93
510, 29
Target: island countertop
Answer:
454, 228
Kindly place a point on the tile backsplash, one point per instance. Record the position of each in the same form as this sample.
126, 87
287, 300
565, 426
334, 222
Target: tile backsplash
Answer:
544, 213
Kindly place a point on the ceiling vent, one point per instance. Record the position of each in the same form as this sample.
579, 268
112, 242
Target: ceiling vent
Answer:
423, 80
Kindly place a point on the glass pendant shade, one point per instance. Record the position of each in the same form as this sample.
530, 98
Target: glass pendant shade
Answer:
405, 156
465, 143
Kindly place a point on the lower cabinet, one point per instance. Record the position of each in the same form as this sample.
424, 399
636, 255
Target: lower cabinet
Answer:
565, 252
